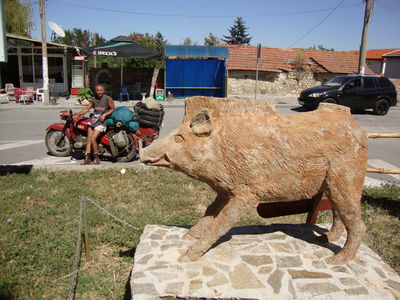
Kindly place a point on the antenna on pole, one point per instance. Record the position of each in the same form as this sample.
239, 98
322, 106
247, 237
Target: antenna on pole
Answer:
57, 30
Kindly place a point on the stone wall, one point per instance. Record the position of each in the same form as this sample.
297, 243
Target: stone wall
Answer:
273, 83
396, 83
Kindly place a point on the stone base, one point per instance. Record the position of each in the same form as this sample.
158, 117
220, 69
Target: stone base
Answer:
257, 262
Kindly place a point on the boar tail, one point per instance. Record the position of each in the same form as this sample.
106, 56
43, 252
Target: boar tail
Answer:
333, 107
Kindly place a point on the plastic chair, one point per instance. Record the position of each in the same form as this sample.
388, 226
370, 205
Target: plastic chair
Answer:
28, 95
122, 93
9, 89
39, 95
4, 98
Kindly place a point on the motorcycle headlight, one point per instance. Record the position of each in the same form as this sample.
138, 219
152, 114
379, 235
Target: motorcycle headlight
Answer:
316, 95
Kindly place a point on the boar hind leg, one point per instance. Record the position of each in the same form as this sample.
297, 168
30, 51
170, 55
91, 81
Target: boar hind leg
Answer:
345, 198
198, 230
235, 208
336, 230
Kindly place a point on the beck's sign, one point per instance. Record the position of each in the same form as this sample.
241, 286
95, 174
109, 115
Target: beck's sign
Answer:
106, 53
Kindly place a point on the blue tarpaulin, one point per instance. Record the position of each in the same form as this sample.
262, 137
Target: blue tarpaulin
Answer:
195, 77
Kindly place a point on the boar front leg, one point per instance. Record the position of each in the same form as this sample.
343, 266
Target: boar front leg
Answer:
198, 230
236, 207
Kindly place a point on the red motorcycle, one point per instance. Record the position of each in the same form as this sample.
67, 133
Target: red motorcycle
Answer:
118, 142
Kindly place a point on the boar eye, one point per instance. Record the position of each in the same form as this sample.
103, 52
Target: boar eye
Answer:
178, 138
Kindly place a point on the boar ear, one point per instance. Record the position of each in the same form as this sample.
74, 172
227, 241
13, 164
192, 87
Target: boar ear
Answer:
201, 123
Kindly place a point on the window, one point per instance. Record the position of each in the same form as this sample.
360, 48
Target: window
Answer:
27, 68
384, 82
38, 68
369, 83
56, 69
354, 83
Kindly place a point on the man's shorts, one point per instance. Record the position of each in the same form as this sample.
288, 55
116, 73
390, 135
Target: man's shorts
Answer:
100, 128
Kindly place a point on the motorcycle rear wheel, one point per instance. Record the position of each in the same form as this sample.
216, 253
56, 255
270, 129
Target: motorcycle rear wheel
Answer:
65, 147
129, 153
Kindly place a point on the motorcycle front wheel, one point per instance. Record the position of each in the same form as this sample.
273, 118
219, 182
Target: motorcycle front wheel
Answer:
129, 152
64, 148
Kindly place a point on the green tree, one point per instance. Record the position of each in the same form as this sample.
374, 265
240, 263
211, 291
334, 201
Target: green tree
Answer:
187, 41
211, 40
321, 47
238, 33
79, 37
18, 17
156, 42
160, 43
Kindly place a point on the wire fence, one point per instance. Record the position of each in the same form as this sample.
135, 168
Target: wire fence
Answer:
82, 238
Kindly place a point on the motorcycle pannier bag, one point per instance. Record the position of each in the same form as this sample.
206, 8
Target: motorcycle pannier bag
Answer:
125, 115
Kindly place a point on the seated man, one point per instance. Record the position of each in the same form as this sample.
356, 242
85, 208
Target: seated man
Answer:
103, 106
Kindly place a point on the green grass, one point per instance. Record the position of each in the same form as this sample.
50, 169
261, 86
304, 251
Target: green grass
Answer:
39, 215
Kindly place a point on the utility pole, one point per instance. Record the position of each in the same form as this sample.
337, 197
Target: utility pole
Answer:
94, 44
258, 59
45, 70
364, 39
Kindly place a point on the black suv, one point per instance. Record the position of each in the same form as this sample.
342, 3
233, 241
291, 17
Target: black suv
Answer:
355, 91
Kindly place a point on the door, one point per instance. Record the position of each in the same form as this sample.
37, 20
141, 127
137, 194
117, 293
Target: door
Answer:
351, 94
369, 92
9, 71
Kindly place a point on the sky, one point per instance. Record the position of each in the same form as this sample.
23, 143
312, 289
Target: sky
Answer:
334, 24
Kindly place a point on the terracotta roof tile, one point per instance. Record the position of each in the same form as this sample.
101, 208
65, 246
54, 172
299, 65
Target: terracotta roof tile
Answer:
395, 53
276, 59
378, 53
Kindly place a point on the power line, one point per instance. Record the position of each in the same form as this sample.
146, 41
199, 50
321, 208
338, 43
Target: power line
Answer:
386, 7
315, 25
194, 16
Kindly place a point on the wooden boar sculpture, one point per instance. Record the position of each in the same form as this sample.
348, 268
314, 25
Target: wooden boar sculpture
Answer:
247, 153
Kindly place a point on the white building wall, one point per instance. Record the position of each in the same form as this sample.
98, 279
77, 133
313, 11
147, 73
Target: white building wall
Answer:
392, 69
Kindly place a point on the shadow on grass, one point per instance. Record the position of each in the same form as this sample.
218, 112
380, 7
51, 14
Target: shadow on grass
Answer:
11, 169
128, 253
392, 207
6, 292
128, 291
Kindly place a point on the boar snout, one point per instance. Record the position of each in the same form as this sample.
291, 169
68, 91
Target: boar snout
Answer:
150, 156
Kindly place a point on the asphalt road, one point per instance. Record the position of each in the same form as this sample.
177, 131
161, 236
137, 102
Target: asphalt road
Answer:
22, 135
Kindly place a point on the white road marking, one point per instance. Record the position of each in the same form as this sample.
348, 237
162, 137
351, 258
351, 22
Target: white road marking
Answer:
48, 160
22, 143
378, 163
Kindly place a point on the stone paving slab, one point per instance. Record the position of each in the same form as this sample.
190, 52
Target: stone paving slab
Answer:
257, 262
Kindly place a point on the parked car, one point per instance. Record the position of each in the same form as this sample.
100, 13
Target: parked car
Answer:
358, 92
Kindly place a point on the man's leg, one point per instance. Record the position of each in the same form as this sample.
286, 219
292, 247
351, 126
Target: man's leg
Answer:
95, 147
87, 160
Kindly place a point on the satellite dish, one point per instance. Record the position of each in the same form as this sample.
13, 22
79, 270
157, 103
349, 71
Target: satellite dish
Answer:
56, 28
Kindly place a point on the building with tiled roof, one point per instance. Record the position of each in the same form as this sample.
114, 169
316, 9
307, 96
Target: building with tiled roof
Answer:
391, 64
376, 60
277, 60
285, 71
